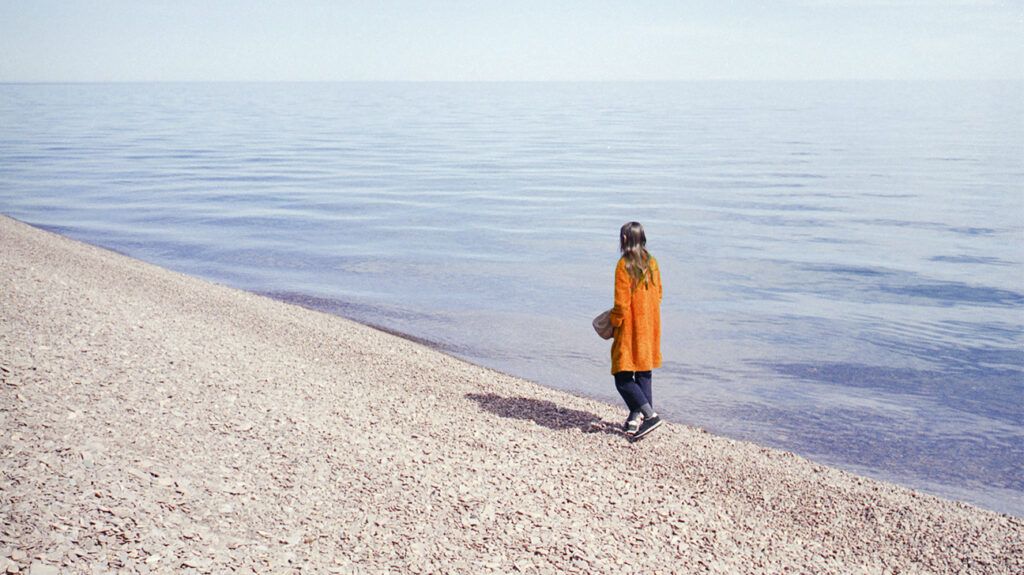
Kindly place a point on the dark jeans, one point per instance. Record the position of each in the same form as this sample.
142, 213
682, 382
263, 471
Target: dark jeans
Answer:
635, 388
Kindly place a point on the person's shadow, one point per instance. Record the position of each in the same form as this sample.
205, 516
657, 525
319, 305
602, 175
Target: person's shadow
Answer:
544, 413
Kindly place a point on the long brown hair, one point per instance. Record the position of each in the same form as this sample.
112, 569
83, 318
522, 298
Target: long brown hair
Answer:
633, 245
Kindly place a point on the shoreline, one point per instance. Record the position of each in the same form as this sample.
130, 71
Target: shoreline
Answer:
989, 500
156, 422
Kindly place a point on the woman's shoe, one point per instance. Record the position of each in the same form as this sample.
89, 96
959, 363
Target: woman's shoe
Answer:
631, 426
648, 426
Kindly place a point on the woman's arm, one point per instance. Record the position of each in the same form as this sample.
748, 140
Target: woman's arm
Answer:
657, 280
622, 295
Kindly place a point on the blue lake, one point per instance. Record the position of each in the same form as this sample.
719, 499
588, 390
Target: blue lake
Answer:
843, 262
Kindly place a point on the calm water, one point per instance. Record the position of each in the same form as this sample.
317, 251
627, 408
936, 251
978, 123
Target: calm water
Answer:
843, 262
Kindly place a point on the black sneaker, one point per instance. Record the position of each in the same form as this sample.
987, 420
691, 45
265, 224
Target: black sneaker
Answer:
648, 426
631, 426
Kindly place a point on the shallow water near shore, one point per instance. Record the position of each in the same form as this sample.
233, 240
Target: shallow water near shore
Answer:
843, 261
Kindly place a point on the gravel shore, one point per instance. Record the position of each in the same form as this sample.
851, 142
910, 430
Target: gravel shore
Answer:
154, 422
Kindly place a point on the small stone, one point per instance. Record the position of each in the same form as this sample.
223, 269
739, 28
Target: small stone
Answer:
196, 563
43, 569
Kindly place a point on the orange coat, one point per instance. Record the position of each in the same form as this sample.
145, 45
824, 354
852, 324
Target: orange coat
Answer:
637, 320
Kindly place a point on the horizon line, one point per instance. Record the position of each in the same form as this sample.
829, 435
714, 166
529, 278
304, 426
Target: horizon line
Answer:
577, 81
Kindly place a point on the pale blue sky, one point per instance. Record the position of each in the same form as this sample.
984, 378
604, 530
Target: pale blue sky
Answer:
181, 40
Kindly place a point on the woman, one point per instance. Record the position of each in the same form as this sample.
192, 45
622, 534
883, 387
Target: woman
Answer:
637, 321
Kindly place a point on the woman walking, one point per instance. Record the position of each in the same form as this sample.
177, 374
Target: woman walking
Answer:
636, 318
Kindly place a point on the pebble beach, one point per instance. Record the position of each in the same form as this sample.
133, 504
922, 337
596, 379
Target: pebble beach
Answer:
157, 423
